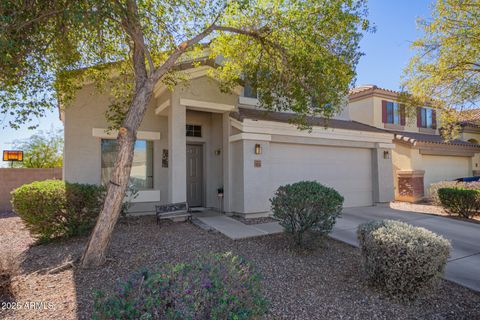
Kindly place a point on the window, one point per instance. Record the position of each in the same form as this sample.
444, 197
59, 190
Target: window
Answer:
193, 130
141, 176
427, 118
249, 91
393, 113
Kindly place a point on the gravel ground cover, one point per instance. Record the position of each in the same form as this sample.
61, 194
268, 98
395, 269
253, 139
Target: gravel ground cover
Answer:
429, 209
324, 283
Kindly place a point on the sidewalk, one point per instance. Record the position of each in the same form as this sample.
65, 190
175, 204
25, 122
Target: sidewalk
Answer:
235, 229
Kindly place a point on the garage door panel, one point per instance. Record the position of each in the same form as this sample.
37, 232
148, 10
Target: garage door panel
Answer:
348, 170
441, 168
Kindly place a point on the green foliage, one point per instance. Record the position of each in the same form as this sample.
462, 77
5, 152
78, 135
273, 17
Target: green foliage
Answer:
402, 260
56, 209
42, 150
217, 286
306, 206
445, 68
434, 187
463, 202
295, 53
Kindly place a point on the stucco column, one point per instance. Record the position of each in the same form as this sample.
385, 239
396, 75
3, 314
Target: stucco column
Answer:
382, 174
177, 155
226, 162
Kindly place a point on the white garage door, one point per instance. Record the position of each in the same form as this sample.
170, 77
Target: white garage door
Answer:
348, 170
441, 168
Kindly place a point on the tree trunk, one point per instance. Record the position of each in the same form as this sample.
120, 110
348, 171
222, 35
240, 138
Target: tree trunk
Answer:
95, 251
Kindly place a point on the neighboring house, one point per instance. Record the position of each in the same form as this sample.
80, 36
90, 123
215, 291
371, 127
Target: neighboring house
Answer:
421, 156
195, 140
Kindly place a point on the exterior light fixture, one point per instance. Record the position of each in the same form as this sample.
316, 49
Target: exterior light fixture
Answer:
217, 152
12, 155
386, 154
258, 149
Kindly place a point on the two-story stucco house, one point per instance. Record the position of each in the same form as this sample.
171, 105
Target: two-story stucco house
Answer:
421, 156
195, 140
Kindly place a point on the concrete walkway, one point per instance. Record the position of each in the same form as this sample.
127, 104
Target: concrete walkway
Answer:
463, 266
235, 229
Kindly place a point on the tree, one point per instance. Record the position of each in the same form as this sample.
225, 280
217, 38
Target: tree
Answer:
42, 150
445, 71
293, 52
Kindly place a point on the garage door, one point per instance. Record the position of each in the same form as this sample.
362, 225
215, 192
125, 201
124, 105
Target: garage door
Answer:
441, 168
348, 170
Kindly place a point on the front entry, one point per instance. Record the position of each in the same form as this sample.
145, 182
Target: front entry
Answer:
195, 175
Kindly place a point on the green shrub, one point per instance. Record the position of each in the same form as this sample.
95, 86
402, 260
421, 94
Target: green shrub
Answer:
217, 286
433, 190
434, 187
463, 202
306, 206
56, 209
403, 260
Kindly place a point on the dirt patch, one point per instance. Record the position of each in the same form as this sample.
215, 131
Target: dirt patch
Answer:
326, 283
429, 208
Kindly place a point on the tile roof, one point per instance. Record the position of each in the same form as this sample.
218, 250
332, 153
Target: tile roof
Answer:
256, 114
470, 118
370, 89
413, 137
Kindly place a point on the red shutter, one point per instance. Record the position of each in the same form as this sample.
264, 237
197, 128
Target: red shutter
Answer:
402, 115
384, 111
419, 117
434, 119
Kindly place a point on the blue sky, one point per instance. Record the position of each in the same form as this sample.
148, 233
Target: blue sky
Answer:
386, 54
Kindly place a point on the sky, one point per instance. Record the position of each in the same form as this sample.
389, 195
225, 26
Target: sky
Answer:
386, 54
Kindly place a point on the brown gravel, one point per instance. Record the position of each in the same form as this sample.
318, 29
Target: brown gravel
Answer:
252, 221
429, 209
325, 283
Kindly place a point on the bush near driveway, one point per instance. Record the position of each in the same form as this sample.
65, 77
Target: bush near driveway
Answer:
400, 259
306, 206
216, 286
434, 187
463, 202
57, 209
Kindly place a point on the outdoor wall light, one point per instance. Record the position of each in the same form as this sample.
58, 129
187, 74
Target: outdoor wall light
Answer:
386, 154
258, 149
217, 152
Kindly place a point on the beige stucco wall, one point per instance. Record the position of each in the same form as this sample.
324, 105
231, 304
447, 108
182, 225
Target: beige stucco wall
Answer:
437, 167
362, 111
87, 111
369, 111
82, 150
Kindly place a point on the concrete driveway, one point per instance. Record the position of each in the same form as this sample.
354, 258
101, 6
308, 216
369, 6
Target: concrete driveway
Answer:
463, 266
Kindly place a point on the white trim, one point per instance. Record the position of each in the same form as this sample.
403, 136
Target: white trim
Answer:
278, 128
248, 101
207, 105
385, 145
141, 135
162, 107
250, 136
147, 196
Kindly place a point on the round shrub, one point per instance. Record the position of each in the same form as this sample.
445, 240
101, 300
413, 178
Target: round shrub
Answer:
56, 209
403, 260
463, 202
216, 286
306, 206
